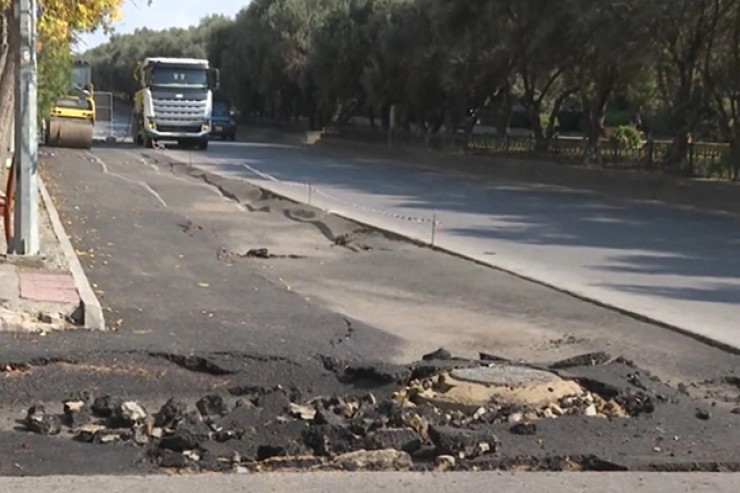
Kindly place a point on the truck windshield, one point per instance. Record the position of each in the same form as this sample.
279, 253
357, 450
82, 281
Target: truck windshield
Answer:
179, 76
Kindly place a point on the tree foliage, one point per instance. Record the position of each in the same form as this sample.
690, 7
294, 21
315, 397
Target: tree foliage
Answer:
54, 74
60, 21
438, 61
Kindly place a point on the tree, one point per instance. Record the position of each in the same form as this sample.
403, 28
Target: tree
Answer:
683, 34
438, 61
59, 22
54, 74
538, 33
721, 75
607, 59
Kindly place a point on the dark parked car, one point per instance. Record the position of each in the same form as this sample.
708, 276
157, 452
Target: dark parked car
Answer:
224, 125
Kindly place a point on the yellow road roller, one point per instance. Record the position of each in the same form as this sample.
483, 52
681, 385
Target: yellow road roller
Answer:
72, 119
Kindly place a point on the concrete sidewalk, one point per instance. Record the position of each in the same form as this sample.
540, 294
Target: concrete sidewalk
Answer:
385, 482
49, 291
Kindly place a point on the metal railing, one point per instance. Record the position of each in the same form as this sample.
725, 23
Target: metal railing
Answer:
703, 159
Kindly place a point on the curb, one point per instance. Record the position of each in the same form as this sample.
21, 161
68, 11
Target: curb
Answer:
92, 312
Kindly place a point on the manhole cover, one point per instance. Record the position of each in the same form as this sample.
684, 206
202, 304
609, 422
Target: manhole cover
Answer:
503, 375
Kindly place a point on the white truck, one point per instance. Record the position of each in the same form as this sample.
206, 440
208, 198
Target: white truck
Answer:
174, 102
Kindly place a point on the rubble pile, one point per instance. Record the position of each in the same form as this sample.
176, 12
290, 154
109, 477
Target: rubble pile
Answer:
438, 414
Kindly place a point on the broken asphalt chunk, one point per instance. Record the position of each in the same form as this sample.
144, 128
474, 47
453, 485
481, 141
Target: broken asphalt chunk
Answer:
463, 443
440, 354
212, 405
103, 407
444, 463
402, 439
127, 415
242, 418
329, 440
636, 403
274, 403
380, 373
185, 437
76, 413
86, 433
524, 429
172, 411
590, 359
703, 414
38, 421
172, 460
106, 436
306, 413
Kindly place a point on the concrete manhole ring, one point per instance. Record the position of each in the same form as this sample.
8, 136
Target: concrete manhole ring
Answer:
503, 375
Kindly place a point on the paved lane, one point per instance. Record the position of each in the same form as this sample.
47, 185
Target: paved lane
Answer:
678, 266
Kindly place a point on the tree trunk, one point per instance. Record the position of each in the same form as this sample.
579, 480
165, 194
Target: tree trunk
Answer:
385, 115
504, 109
541, 143
503, 118
594, 117
557, 105
735, 153
7, 89
677, 155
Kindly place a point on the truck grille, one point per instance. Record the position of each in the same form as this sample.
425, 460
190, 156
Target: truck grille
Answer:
172, 111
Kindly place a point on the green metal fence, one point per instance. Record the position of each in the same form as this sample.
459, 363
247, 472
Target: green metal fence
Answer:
704, 159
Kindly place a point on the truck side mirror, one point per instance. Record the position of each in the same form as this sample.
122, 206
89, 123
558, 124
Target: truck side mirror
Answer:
214, 79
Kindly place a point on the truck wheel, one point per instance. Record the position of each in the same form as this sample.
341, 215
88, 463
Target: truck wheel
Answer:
203, 145
148, 142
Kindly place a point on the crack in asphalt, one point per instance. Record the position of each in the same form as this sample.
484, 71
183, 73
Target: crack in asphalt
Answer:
205, 363
25, 366
92, 157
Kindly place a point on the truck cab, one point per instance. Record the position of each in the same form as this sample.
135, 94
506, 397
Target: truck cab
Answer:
175, 102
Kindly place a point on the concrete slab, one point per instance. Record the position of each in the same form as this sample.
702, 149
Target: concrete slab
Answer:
8, 283
53, 288
383, 482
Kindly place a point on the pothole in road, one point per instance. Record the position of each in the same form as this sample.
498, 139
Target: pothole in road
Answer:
360, 240
256, 254
525, 393
440, 413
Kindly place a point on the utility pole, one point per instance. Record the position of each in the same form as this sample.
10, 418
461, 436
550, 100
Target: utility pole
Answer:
26, 240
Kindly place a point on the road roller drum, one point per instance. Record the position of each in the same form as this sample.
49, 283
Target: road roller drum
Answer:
69, 132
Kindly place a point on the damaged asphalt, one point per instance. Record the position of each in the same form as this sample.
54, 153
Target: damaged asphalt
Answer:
390, 417
204, 300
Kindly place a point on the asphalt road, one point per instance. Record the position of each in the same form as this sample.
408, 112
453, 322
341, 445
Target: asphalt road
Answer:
673, 265
164, 246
